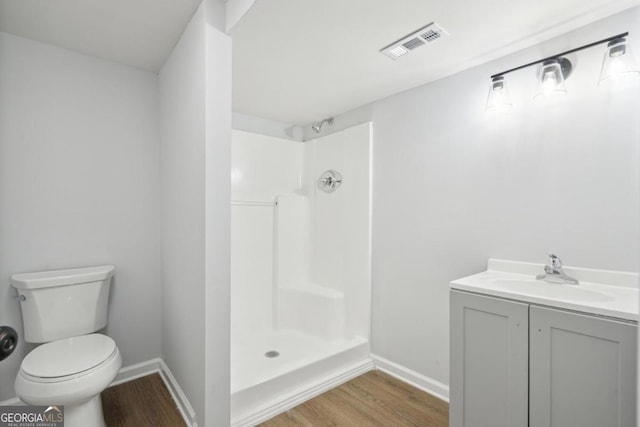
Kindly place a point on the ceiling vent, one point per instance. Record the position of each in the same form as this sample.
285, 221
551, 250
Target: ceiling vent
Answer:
423, 36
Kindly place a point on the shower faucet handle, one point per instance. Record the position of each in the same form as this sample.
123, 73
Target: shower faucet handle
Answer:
329, 181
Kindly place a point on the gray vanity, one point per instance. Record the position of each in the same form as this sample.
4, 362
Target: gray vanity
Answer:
526, 352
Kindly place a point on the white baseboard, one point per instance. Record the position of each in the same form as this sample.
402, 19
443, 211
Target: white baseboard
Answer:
130, 373
422, 382
158, 365
185, 408
302, 395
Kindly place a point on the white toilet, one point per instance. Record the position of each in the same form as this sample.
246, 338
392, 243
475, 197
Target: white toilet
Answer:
62, 309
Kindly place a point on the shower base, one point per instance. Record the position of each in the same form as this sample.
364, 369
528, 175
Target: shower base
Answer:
262, 387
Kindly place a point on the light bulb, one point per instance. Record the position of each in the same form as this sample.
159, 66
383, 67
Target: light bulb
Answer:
617, 67
549, 82
551, 77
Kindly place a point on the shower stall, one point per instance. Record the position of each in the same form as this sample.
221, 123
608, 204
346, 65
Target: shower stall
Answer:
300, 269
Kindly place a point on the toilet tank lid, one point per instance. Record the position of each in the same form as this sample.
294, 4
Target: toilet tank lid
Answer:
71, 276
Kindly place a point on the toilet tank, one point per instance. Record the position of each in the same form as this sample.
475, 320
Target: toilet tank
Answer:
63, 303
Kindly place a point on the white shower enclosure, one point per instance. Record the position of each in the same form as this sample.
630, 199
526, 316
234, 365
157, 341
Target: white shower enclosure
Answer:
300, 268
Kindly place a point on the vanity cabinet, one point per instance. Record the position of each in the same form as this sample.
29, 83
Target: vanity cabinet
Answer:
515, 364
583, 370
489, 362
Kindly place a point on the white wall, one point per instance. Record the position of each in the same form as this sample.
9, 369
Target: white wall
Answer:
182, 118
454, 185
218, 217
235, 10
79, 185
195, 151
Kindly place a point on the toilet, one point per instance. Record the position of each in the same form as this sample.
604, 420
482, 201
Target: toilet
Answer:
63, 309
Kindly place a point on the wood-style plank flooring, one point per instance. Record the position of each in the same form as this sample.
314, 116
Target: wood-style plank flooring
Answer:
374, 399
144, 402
370, 400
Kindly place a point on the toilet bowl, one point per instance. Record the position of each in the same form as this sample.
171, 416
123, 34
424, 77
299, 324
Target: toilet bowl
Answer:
70, 372
63, 310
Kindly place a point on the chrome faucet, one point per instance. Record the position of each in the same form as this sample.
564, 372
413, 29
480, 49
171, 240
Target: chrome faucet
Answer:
553, 272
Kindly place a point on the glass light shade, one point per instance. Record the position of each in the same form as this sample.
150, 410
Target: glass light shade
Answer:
499, 99
550, 79
618, 62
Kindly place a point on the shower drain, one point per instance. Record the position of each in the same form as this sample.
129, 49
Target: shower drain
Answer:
271, 354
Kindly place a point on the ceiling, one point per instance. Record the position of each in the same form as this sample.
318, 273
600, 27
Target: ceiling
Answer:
297, 61
139, 33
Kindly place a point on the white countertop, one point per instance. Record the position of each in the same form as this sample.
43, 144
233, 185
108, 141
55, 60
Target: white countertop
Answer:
600, 292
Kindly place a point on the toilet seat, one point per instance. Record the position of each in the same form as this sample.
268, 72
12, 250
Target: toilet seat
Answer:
70, 390
71, 357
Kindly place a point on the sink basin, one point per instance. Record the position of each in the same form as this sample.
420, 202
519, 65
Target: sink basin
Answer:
617, 298
555, 290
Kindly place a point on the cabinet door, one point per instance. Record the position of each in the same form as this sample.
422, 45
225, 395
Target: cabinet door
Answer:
489, 341
583, 370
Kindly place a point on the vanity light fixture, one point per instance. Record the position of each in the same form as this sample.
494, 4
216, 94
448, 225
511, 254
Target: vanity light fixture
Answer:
618, 62
554, 71
499, 99
552, 76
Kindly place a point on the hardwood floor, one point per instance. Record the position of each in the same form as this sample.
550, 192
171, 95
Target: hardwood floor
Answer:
144, 402
372, 399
